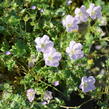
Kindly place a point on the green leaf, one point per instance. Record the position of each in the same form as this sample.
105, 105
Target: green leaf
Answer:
19, 49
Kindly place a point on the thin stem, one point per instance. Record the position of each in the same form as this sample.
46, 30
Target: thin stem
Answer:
39, 61
76, 107
32, 106
66, 107
52, 3
25, 26
53, 88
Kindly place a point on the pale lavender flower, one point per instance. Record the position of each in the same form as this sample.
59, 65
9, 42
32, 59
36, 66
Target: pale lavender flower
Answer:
33, 7
7, 52
94, 11
98, 47
56, 83
81, 14
102, 21
44, 103
100, 31
52, 58
74, 50
71, 23
68, 2
43, 44
102, 71
41, 10
48, 96
31, 94
87, 84
31, 61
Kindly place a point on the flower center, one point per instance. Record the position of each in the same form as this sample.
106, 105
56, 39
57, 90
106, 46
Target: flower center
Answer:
80, 14
69, 25
31, 94
72, 52
85, 84
50, 58
42, 45
93, 12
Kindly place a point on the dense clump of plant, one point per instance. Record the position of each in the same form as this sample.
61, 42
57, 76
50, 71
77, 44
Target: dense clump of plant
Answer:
54, 54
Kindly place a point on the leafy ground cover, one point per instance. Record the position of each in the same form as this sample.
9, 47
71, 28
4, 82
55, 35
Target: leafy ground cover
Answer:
54, 54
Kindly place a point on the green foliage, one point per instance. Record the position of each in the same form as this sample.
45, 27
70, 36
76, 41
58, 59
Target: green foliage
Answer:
20, 25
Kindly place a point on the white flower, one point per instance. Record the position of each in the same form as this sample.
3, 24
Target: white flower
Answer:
52, 58
43, 44
31, 61
94, 11
74, 50
69, 2
48, 96
81, 14
71, 23
31, 94
100, 31
102, 21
